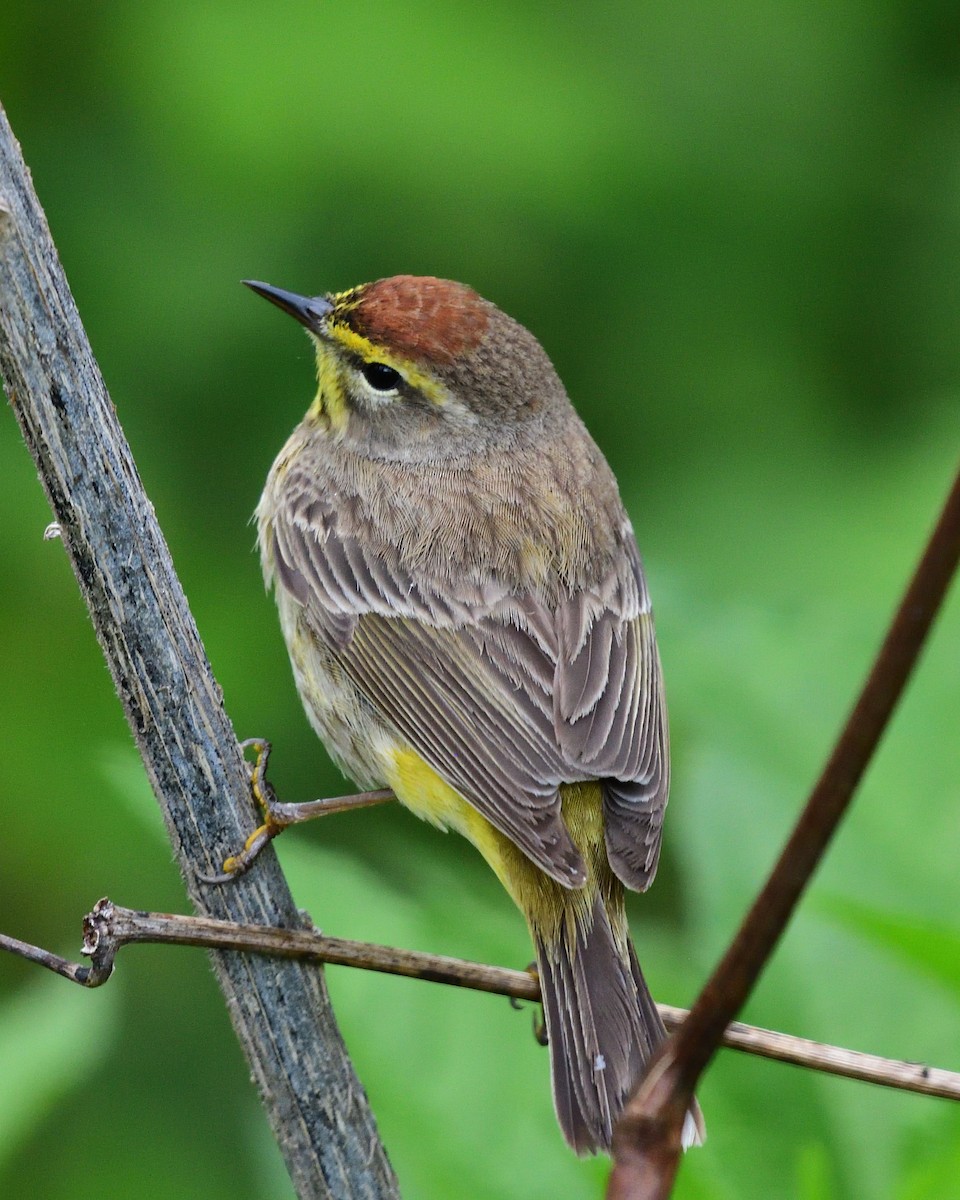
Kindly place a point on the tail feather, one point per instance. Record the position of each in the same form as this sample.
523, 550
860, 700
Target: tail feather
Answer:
602, 1025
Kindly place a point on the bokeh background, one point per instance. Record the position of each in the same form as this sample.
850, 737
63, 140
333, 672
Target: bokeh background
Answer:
736, 229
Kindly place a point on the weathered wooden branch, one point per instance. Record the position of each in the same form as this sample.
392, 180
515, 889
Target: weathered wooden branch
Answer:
109, 927
279, 1008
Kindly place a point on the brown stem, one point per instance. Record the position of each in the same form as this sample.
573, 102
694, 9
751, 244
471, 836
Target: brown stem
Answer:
109, 927
649, 1129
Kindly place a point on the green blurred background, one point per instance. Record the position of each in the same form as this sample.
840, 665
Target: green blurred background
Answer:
736, 229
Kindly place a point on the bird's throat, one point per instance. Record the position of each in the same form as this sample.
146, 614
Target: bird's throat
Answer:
329, 407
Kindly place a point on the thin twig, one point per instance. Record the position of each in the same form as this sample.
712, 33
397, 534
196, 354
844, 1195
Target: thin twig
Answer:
75, 972
109, 927
647, 1139
280, 1011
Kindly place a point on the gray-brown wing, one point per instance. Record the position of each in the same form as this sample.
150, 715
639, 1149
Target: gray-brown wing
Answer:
611, 716
410, 652
504, 699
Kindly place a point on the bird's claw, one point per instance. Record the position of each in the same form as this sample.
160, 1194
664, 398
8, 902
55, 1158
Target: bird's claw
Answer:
539, 1024
236, 864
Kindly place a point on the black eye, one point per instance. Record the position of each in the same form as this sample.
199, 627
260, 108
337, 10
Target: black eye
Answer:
381, 377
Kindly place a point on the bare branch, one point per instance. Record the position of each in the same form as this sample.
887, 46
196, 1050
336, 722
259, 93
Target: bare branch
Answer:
109, 927
833, 1060
646, 1142
281, 1013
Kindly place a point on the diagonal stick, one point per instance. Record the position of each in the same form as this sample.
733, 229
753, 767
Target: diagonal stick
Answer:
280, 1011
647, 1139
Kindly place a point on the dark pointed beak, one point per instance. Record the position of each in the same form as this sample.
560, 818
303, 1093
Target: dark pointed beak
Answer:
308, 310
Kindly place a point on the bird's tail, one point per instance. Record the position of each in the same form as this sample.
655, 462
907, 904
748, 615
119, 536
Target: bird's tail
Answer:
602, 1025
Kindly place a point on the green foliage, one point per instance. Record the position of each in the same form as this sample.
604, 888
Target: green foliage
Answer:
933, 948
736, 232
51, 1043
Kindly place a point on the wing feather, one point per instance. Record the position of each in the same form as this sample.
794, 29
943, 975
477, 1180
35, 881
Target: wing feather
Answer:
504, 696
453, 714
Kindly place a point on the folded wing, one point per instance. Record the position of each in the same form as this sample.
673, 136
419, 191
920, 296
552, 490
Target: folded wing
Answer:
503, 696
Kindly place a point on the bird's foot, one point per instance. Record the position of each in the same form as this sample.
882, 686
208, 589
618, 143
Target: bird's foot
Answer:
539, 1024
278, 815
236, 864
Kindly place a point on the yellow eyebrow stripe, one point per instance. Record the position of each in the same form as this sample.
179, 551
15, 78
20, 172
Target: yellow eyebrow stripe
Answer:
356, 343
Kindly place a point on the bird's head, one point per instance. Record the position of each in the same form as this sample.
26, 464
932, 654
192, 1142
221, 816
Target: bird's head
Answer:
415, 367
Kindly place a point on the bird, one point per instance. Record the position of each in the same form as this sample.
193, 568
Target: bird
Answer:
469, 626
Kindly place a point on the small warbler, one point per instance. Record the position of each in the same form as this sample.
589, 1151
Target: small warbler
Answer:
467, 617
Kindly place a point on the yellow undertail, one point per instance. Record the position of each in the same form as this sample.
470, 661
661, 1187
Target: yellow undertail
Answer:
542, 901
602, 1023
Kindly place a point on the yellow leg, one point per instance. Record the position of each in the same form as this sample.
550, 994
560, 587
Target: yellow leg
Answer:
279, 815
